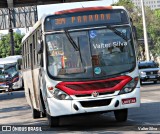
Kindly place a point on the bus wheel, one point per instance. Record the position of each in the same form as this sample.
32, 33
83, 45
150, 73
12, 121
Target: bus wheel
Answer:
52, 121
43, 114
121, 115
36, 114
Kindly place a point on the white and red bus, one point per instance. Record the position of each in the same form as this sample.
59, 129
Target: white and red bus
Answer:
79, 61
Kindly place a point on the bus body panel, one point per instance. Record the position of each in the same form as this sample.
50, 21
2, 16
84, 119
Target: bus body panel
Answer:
65, 107
35, 75
59, 108
29, 90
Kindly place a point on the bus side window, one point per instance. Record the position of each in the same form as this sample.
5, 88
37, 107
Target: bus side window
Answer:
39, 56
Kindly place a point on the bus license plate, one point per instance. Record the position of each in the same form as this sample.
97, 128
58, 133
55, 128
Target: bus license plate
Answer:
128, 101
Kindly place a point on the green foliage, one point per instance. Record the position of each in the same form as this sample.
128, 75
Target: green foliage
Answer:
135, 14
126, 3
157, 13
5, 48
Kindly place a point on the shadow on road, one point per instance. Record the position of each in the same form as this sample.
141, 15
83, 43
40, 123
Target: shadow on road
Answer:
93, 122
147, 114
15, 94
12, 109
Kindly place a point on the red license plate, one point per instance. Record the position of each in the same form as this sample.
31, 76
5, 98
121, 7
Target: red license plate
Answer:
128, 101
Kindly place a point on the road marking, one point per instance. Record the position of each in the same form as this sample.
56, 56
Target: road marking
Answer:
147, 101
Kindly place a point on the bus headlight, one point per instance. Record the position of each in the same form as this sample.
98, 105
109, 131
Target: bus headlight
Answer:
129, 87
59, 94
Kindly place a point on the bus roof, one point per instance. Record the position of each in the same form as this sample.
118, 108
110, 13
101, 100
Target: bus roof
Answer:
73, 10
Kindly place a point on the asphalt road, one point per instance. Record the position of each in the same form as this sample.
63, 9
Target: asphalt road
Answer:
14, 110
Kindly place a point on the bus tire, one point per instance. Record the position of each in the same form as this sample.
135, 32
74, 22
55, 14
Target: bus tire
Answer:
52, 121
43, 114
43, 105
36, 114
121, 115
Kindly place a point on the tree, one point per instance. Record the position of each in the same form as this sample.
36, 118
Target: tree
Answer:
153, 25
127, 4
5, 48
135, 14
154, 30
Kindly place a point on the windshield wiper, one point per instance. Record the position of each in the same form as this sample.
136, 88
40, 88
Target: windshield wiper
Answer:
73, 44
117, 32
71, 40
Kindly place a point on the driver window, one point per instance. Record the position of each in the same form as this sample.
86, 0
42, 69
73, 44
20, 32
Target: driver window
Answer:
55, 52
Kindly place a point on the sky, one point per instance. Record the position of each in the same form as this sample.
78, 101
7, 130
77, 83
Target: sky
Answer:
55, 7
48, 9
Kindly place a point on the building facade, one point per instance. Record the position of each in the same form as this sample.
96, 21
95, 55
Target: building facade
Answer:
153, 4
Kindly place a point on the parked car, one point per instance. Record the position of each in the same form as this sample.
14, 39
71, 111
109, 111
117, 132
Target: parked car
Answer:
149, 71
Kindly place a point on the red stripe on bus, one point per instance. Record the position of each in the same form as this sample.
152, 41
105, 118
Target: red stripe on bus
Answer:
83, 10
88, 87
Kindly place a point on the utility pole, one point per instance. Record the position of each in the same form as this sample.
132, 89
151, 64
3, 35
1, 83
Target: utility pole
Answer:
145, 33
11, 31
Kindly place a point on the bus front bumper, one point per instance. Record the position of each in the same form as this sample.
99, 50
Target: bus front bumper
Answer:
70, 107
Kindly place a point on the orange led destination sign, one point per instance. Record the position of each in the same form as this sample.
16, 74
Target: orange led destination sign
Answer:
83, 19
86, 19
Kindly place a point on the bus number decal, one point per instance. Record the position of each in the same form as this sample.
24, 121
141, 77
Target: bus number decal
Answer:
60, 21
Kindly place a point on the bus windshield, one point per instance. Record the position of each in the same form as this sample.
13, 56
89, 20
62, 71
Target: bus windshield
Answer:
102, 52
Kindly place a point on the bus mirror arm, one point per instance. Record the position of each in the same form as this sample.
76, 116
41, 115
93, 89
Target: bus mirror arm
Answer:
40, 47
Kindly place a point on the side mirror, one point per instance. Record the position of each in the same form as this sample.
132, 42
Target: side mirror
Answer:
135, 32
40, 47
